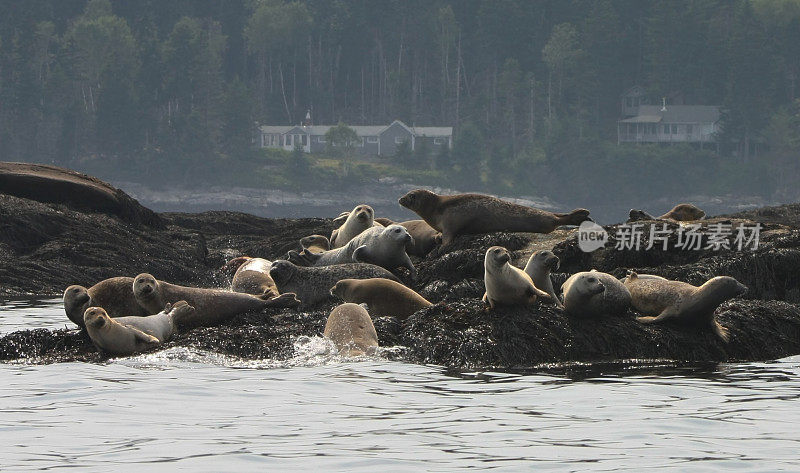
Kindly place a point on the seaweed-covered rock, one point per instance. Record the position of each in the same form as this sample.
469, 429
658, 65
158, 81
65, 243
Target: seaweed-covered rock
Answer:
44, 247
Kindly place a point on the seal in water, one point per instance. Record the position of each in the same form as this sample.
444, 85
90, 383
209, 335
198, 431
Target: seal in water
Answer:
350, 328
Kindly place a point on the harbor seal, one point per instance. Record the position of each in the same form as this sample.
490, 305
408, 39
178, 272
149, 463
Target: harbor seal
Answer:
381, 246
358, 220
462, 214
212, 306
539, 266
385, 221
350, 328
679, 213
506, 284
594, 294
425, 237
115, 295
114, 337
253, 277
662, 300
312, 284
315, 243
382, 296
163, 324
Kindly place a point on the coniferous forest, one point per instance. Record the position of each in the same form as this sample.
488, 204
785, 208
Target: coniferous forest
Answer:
169, 89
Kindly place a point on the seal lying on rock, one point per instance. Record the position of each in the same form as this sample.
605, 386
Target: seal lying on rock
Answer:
358, 220
506, 284
462, 214
115, 295
382, 296
382, 246
163, 324
350, 328
252, 277
312, 284
114, 337
315, 243
595, 294
679, 213
539, 266
212, 306
662, 300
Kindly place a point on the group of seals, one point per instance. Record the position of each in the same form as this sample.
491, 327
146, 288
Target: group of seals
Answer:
124, 315
594, 294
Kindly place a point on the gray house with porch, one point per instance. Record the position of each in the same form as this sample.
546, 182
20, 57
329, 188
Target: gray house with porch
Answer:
670, 124
374, 140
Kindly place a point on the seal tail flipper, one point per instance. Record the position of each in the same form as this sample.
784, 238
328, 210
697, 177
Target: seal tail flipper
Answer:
288, 299
646, 320
721, 332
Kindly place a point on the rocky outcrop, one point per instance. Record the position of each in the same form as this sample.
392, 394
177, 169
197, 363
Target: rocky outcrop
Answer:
55, 185
45, 247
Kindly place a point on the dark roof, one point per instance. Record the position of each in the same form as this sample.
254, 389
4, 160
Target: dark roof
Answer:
676, 114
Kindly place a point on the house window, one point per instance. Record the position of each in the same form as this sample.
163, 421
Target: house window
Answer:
372, 139
321, 139
304, 139
399, 139
674, 129
438, 141
666, 129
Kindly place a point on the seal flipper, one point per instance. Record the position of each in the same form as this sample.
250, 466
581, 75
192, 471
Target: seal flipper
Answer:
143, 337
288, 299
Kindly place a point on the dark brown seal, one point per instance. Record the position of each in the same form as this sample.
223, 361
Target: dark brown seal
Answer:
382, 296
461, 214
212, 306
115, 295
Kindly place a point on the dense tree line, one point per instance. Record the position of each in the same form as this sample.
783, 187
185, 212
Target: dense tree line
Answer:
529, 85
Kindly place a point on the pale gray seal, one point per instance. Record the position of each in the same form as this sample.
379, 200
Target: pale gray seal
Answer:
595, 294
539, 266
662, 300
506, 284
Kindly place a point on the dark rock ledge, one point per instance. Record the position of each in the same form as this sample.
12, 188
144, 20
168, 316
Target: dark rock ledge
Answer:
45, 247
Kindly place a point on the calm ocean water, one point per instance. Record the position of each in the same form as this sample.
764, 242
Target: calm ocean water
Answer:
183, 409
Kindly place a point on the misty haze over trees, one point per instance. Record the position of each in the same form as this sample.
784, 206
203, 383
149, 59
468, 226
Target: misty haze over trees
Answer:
170, 91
